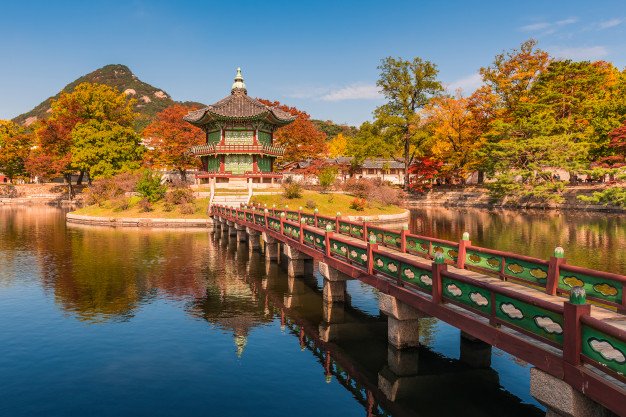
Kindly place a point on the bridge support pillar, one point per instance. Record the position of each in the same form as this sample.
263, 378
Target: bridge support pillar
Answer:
241, 232
296, 261
334, 284
475, 352
254, 239
561, 399
271, 247
402, 322
232, 230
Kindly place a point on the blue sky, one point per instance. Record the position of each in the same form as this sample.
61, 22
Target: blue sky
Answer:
318, 56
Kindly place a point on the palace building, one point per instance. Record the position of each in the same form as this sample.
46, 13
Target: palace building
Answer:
239, 138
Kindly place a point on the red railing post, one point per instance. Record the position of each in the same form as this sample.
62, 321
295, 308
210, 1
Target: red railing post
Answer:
329, 234
300, 214
365, 236
572, 326
337, 222
463, 244
265, 212
438, 266
282, 220
371, 247
405, 230
552, 282
301, 232
315, 217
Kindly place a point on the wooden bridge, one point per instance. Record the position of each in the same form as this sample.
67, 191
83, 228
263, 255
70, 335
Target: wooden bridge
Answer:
510, 301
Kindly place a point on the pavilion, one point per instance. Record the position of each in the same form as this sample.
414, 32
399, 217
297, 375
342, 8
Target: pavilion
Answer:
239, 139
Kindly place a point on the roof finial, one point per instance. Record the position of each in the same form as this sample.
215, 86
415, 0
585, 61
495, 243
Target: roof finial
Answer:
239, 85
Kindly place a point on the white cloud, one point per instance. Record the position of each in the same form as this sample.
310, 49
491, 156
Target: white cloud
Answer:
353, 92
548, 27
581, 53
609, 23
467, 84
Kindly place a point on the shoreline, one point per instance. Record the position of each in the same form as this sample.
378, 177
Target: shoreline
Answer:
478, 198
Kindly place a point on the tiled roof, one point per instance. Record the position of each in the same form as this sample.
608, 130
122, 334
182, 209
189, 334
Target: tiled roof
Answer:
238, 106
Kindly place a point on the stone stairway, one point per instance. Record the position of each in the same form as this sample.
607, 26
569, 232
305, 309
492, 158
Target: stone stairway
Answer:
231, 200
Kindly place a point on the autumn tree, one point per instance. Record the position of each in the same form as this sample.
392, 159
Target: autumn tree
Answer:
302, 140
454, 134
338, 146
408, 86
88, 108
15, 147
169, 139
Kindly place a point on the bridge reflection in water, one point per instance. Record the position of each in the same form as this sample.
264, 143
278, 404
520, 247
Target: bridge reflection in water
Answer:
351, 344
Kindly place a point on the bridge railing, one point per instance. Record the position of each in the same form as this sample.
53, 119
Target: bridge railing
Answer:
580, 338
553, 275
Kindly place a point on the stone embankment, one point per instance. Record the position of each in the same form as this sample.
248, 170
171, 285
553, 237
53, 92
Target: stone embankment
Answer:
479, 197
34, 194
136, 222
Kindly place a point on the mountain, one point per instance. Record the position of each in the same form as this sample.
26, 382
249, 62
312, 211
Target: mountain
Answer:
150, 100
332, 129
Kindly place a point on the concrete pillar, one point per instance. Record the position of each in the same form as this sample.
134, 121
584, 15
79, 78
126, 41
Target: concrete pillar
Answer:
232, 230
296, 261
254, 240
242, 236
475, 352
271, 247
333, 312
402, 321
561, 399
334, 284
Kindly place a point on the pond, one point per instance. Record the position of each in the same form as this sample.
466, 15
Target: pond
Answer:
99, 321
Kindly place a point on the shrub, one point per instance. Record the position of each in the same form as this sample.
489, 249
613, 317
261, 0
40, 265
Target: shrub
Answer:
120, 204
168, 207
311, 204
358, 204
292, 190
145, 205
180, 194
110, 188
186, 208
150, 187
359, 187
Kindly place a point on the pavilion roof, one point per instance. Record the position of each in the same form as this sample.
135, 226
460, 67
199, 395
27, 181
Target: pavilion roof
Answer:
239, 106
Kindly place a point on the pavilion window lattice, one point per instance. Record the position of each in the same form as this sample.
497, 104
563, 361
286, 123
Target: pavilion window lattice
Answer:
238, 164
242, 137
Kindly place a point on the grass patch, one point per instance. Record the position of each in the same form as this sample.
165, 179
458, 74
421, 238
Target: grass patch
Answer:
338, 203
158, 211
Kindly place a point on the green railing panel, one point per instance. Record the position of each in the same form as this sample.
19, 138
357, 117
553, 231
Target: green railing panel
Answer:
323, 222
295, 232
309, 237
357, 230
249, 217
537, 320
604, 349
417, 276
386, 265
339, 248
344, 228
417, 245
467, 294
378, 233
483, 260
599, 288
393, 239
450, 252
320, 241
290, 215
287, 228
529, 271
310, 220
358, 255
260, 220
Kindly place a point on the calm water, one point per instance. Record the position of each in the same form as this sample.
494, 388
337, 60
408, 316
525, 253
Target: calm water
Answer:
104, 322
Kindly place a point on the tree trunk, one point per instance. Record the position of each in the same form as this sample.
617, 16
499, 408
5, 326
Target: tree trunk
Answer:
407, 162
79, 181
183, 174
573, 178
68, 178
481, 177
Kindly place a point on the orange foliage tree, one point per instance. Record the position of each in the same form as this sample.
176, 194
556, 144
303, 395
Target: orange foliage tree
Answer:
301, 137
169, 139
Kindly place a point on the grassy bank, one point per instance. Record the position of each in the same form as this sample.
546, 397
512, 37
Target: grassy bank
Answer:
327, 204
159, 210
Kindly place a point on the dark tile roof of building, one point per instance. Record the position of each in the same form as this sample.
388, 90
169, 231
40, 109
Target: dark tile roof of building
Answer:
238, 106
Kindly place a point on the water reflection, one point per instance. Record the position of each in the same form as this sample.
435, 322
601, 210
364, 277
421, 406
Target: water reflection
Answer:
590, 240
130, 287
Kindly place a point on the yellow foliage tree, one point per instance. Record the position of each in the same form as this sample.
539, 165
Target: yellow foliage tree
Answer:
338, 146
